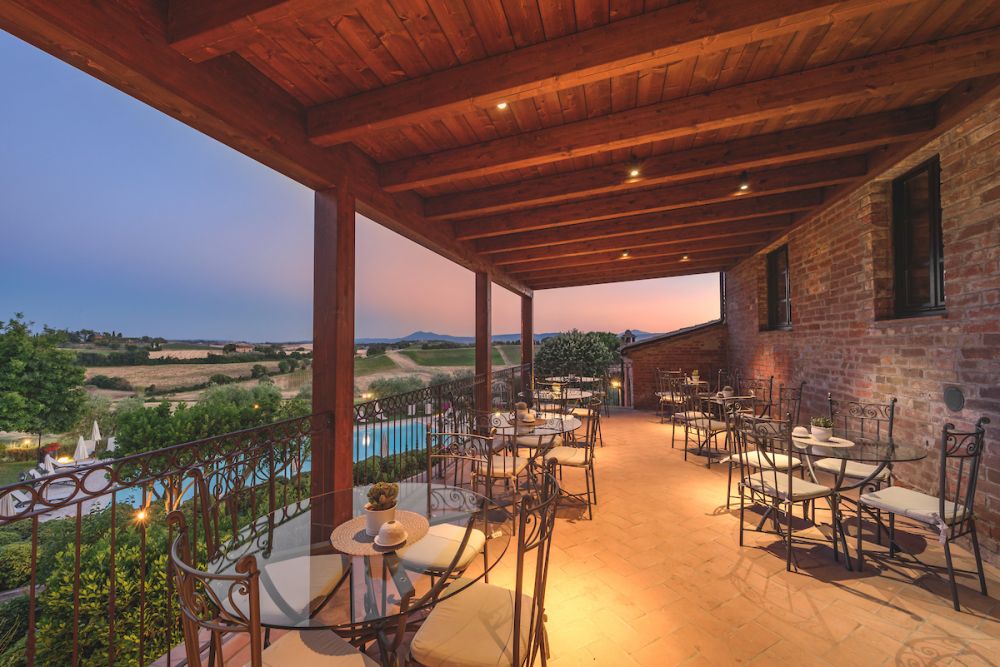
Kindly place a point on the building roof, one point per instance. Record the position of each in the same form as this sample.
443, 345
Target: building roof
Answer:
677, 333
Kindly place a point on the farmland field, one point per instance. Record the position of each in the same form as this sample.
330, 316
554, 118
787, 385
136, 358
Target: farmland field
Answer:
458, 356
379, 363
177, 375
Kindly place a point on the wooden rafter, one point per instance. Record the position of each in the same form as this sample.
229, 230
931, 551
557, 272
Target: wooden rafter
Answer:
626, 276
699, 193
742, 209
637, 262
903, 71
704, 236
205, 29
638, 43
813, 142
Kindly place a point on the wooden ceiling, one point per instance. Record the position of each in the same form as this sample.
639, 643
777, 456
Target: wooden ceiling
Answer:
504, 133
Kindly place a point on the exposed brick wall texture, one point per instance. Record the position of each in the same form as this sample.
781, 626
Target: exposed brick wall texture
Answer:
704, 349
843, 339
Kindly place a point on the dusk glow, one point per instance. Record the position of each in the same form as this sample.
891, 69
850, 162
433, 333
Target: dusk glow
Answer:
115, 216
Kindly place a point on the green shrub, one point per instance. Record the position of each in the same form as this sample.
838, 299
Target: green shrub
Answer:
15, 564
9, 537
14, 616
577, 352
114, 382
221, 378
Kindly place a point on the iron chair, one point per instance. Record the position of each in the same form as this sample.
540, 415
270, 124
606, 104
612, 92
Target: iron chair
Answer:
790, 401
224, 604
580, 455
733, 408
489, 624
952, 512
762, 389
773, 487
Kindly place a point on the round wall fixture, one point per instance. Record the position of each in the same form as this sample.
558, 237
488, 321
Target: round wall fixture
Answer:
954, 399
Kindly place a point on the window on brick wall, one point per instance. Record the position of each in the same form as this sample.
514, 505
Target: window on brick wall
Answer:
779, 290
916, 239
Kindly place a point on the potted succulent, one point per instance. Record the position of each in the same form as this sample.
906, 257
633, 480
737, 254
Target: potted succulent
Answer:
821, 428
381, 506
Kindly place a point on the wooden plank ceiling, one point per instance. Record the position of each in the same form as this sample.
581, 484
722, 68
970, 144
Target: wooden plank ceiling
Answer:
559, 142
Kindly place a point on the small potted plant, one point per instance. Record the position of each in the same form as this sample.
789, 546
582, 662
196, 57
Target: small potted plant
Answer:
821, 428
381, 506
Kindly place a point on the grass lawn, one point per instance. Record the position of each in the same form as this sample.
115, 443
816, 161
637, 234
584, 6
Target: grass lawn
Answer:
380, 363
10, 471
458, 356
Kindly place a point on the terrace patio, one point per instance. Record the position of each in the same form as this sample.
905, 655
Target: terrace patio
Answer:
829, 158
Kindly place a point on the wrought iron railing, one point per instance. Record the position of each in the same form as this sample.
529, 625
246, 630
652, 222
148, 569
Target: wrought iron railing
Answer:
95, 586
85, 548
390, 432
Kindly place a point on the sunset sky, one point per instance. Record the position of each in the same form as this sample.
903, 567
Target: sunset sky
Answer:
115, 216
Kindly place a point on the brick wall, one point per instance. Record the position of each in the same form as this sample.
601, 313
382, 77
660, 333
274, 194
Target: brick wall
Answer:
843, 340
702, 347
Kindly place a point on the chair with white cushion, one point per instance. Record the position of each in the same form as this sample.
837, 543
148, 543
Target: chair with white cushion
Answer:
668, 401
434, 554
225, 604
580, 455
485, 624
759, 444
701, 424
951, 512
867, 421
733, 408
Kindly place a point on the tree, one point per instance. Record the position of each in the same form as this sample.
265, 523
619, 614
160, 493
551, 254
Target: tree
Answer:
258, 371
41, 386
229, 347
575, 352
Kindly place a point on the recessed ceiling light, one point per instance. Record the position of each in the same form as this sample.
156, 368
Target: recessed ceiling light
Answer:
685, 258
625, 254
744, 182
634, 167
502, 106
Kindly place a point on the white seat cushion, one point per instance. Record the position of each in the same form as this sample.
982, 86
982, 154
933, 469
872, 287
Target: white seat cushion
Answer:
505, 466
568, 456
777, 486
288, 585
314, 647
472, 628
755, 459
711, 425
536, 441
690, 414
436, 549
853, 469
919, 506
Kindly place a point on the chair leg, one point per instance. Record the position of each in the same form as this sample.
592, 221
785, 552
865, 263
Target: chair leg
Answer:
788, 537
836, 529
951, 575
892, 534
729, 485
861, 552
979, 559
742, 510
593, 481
586, 479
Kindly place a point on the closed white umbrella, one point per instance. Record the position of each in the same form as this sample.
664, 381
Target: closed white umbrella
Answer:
112, 443
81, 450
95, 432
7, 508
48, 465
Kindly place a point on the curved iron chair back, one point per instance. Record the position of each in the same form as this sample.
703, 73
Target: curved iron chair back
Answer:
961, 456
872, 421
762, 389
790, 401
202, 607
727, 378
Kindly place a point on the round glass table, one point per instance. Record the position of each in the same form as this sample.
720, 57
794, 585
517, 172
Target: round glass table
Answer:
546, 424
840, 452
306, 583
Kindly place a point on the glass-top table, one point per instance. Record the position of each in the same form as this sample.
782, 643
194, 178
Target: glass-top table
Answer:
545, 424
306, 583
843, 449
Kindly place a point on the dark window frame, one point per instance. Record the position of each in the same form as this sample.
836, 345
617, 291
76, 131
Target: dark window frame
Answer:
902, 229
779, 290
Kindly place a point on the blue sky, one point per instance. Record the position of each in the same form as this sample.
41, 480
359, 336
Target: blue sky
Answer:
115, 216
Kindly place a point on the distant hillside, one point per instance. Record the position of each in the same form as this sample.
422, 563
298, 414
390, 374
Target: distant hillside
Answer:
428, 336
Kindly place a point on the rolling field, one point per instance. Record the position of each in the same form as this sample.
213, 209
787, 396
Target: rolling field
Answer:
379, 363
176, 375
459, 356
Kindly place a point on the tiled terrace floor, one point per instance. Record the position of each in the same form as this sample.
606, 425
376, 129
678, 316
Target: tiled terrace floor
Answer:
658, 578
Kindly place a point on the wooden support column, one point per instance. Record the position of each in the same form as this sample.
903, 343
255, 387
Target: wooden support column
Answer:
527, 330
333, 339
484, 340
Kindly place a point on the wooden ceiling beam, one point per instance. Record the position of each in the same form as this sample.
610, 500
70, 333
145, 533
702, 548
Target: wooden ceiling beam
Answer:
742, 209
631, 45
206, 29
840, 137
705, 237
762, 183
722, 247
638, 262
627, 276
124, 45
903, 71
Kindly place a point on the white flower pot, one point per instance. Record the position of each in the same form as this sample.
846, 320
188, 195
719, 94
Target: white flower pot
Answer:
375, 518
821, 434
